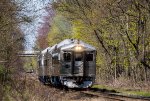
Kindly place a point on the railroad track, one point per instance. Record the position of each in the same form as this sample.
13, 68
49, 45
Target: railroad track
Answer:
113, 95
107, 95
101, 96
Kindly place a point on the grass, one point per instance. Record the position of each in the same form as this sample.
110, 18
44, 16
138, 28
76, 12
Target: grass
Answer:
137, 93
102, 87
124, 91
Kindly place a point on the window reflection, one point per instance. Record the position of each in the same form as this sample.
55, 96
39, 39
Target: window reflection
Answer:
89, 57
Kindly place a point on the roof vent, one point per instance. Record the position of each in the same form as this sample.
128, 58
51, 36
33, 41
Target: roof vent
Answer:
72, 40
77, 41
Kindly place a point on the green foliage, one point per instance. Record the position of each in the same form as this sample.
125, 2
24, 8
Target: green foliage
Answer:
119, 31
61, 29
138, 93
123, 91
1, 70
30, 64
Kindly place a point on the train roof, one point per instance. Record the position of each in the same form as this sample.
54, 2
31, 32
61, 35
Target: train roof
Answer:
53, 48
65, 42
70, 43
45, 50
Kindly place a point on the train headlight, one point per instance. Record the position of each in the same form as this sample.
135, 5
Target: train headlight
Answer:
78, 48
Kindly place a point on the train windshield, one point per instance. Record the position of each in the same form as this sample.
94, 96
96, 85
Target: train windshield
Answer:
78, 57
89, 57
67, 57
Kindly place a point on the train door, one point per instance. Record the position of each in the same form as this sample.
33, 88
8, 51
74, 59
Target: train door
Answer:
90, 64
66, 64
41, 67
78, 63
55, 65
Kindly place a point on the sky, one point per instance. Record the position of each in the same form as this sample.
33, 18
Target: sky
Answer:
35, 10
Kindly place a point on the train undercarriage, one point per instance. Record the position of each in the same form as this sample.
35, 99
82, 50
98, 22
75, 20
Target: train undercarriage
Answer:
69, 82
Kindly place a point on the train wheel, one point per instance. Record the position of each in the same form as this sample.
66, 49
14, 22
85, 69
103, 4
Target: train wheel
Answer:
55, 80
52, 80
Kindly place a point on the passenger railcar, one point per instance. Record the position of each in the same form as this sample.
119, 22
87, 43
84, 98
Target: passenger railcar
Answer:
71, 63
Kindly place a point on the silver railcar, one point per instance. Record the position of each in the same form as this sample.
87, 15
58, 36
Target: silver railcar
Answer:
71, 63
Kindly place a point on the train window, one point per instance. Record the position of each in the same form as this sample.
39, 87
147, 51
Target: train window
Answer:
89, 57
67, 57
78, 57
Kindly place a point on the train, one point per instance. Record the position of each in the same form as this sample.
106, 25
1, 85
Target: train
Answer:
70, 63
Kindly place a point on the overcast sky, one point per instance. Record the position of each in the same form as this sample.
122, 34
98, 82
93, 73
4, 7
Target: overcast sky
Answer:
34, 9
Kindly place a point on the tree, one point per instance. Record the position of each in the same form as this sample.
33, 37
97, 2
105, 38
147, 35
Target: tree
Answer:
11, 42
45, 27
121, 29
